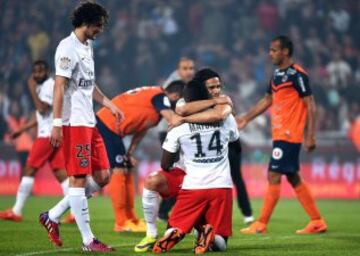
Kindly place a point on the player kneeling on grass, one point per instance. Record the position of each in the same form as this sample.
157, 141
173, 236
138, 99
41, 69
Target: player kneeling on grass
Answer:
205, 200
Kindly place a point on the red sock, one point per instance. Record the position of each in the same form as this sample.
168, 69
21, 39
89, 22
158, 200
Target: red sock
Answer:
271, 197
117, 193
307, 201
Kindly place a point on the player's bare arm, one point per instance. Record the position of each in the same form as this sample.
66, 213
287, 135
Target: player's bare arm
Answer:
167, 160
135, 141
310, 139
216, 114
260, 107
28, 125
167, 114
40, 106
198, 106
56, 132
100, 98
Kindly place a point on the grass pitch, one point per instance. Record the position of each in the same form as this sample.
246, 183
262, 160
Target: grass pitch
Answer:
343, 238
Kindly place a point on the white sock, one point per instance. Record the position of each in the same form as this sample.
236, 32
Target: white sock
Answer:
79, 207
59, 209
65, 186
151, 204
91, 186
23, 193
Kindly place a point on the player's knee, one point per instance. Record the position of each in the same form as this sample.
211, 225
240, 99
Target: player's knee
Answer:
60, 175
29, 171
151, 183
293, 179
274, 178
102, 178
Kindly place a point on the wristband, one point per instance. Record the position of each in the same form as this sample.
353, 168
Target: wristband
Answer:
57, 122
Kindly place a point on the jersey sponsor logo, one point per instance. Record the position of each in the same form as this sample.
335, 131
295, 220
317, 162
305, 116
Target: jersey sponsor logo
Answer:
208, 160
277, 153
65, 63
291, 71
85, 83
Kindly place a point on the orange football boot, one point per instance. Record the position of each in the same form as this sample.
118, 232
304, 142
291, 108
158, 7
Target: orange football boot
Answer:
256, 227
314, 227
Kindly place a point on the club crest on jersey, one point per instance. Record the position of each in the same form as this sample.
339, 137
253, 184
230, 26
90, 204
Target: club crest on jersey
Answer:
84, 162
64, 63
119, 159
277, 153
284, 78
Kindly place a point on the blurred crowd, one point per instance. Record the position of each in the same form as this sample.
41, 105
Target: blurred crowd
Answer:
145, 38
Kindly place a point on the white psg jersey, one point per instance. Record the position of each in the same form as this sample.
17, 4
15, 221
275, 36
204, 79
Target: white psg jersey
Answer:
45, 94
205, 151
75, 61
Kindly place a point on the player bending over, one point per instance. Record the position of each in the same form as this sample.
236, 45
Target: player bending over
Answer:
142, 108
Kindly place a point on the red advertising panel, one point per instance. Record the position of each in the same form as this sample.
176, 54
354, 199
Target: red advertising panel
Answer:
328, 176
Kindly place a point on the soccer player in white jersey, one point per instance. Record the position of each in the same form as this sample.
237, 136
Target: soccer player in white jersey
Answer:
41, 89
168, 184
74, 124
205, 199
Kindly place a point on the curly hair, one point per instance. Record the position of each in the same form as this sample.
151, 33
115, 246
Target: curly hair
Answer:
206, 74
89, 13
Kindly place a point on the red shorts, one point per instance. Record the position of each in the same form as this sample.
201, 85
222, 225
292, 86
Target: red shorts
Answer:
42, 152
203, 206
84, 150
174, 180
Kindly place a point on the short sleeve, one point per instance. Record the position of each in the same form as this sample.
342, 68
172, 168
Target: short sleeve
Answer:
302, 84
65, 61
171, 143
232, 126
161, 102
46, 93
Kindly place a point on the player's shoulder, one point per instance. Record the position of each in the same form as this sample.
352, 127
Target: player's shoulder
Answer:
180, 130
67, 44
230, 121
296, 69
48, 83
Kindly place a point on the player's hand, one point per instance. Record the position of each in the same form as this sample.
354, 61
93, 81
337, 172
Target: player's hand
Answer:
310, 143
223, 99
130, 161
15, 134
175, 121
119, 116
56, 137
241, 122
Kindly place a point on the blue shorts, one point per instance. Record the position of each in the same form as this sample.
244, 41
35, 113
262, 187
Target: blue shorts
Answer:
285, 157
114, 146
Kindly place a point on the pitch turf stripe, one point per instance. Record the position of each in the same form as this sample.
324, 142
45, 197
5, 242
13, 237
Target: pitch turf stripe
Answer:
62, 250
